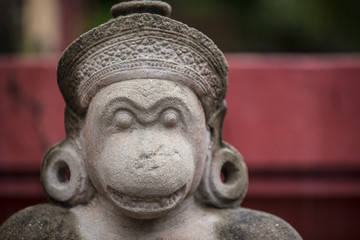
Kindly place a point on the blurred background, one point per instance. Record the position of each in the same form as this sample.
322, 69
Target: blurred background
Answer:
293, 99
33, 26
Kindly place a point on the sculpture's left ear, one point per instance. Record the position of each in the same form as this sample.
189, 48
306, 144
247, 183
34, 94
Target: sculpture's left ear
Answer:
225, 179
70, 190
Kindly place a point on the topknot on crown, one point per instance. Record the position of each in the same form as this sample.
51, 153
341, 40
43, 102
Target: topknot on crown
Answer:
141, 6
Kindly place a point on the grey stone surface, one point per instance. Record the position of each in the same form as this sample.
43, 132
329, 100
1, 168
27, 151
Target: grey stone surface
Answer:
144, 111
41, 222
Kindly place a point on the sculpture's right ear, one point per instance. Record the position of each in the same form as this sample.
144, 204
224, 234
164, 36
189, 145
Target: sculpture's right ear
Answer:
64, 176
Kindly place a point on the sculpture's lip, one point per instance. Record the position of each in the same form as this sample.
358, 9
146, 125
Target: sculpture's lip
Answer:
147, 204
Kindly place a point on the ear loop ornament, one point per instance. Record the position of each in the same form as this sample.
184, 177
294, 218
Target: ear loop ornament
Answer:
229, 191
64, 176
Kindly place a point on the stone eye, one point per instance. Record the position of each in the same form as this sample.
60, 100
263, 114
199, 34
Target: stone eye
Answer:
170, 118
123, 119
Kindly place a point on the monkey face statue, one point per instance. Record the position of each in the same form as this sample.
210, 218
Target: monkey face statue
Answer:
144, 110
145, 145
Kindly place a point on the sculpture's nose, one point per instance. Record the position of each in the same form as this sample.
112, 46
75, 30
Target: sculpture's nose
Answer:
147, 143
151, 154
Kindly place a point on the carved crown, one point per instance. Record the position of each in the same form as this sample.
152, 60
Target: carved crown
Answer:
142, 46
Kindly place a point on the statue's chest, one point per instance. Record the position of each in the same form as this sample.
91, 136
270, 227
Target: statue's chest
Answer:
193, 233
193, 229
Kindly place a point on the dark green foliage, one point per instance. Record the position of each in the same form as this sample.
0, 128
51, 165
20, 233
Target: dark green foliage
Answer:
263, 25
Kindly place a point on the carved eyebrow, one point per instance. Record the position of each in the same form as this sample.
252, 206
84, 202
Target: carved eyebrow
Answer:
140, 110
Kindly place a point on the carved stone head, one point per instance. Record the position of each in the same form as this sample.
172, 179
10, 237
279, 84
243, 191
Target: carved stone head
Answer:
144, 111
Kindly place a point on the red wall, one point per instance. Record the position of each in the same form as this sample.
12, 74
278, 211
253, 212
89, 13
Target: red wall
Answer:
296, 120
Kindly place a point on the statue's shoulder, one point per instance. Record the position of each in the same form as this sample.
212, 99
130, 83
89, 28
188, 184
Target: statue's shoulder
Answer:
242, 223
42, 221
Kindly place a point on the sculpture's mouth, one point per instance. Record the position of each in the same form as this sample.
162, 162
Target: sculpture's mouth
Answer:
148, 204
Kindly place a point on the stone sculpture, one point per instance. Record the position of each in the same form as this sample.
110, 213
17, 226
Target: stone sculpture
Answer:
144, 110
